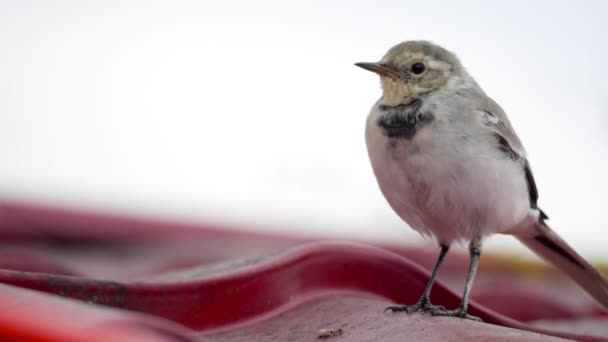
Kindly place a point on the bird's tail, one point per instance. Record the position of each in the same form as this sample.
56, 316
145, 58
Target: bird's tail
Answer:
549, 246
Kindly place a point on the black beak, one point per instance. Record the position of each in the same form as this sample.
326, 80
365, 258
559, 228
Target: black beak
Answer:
381, 70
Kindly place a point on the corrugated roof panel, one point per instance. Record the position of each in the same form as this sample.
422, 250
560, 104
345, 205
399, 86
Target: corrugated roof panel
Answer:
226, 285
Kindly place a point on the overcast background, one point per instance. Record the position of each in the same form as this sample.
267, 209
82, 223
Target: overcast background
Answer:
251, 113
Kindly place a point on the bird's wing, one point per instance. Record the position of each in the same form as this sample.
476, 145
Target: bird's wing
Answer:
508, 142
496, 118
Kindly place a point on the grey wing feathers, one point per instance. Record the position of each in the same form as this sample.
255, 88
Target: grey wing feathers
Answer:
496, 118
508, 142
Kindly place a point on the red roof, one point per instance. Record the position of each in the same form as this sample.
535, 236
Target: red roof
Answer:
87, 277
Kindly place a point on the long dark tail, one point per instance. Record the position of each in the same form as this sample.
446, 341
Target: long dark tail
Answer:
549, 246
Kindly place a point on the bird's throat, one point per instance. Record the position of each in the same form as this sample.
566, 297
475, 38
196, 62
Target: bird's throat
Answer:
395, 92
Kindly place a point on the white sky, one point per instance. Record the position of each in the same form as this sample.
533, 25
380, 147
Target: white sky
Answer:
251, 112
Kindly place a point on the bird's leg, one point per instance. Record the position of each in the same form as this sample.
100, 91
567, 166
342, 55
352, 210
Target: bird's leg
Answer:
461, 311
424, 303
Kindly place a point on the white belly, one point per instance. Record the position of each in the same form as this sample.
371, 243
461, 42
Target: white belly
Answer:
448, 187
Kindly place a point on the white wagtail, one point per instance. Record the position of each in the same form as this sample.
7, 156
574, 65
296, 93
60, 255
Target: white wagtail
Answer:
450, 164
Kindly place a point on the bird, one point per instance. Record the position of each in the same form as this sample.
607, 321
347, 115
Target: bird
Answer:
450, 164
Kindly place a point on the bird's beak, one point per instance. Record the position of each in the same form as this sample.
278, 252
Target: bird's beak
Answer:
380, 69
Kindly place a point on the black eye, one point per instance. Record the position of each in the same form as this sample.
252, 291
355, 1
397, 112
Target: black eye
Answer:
418, 68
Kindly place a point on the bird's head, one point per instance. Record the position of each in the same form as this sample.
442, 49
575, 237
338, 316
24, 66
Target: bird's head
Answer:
414, 68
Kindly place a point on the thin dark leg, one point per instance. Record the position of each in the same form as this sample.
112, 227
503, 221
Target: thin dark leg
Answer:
429, 286
461, 311
424, 303
475, 253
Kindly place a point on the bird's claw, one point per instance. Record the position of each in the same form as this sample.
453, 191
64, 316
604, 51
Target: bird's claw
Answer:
455, 313
421, 306
425, 306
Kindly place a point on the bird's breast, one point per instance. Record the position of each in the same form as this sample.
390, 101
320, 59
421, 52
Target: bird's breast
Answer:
402, 121
443, 184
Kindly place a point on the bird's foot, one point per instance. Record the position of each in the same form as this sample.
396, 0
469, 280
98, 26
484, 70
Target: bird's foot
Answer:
422, 306
460, 312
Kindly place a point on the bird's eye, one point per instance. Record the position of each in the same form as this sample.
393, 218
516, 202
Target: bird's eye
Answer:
418, 68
